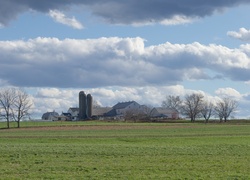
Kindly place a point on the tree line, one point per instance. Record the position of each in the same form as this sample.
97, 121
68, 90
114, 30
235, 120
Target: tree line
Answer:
15, 104
196, 106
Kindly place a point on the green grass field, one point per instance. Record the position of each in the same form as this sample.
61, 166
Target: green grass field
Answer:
105, 150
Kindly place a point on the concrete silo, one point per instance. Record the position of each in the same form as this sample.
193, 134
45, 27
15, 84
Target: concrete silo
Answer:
82, 105
89, 105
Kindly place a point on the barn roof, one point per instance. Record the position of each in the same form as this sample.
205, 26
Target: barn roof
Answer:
73, 109
100, 111
48, 114
111, 113
122, 105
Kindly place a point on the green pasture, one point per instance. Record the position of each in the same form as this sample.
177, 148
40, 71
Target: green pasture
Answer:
106, 150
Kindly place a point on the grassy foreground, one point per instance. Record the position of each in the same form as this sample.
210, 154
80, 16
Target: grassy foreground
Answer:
99, 150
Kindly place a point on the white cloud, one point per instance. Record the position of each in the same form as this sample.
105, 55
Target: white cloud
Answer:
173, 21
103, 62
55, 93
228, 92
63, 19
243, 34
178, 19
247, 82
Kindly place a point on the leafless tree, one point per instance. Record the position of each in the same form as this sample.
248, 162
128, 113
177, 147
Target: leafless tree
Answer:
225, 107
15, 104
21, 106
146, 109
173, 102
207, 110
192, 105
136, 115
7, 99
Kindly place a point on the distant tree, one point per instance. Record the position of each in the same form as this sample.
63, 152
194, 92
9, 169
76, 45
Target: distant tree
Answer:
207, 110
225, 107
131, 115
22, 105
137, 115
173, 102
146, 109
15, 105
192, 105
7, 99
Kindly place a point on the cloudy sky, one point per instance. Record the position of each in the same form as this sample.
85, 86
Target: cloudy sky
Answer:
140, 50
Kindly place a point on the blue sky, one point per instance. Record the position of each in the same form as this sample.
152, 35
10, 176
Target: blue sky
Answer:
121, 51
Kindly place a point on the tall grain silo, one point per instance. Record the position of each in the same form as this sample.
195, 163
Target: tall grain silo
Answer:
82, 105
89, 105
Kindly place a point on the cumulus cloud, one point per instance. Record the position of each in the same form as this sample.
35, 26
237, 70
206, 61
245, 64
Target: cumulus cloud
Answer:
121, 12
61, 18
50, 62
243, 34
228, 92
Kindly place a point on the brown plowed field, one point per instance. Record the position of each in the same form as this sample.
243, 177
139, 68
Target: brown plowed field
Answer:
94, 127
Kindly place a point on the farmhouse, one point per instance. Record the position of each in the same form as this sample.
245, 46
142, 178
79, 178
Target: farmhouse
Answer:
73, 111
64, 117
160, 112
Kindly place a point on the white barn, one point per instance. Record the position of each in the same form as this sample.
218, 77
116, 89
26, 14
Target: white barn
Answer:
160, 112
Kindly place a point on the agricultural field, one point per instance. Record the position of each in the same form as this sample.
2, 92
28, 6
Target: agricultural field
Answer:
112, 150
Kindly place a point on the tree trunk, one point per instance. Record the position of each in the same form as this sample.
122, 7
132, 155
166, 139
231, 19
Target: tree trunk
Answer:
8, 123
18, 124
192, 119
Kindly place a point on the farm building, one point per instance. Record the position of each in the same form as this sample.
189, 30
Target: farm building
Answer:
160, 112
100, 112
122, 108
64, 117
74, 113
50, 116
97, 112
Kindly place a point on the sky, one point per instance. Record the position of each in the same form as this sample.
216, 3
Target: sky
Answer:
142, 50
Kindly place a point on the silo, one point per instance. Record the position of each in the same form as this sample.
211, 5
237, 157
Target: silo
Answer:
82, 105
89, 105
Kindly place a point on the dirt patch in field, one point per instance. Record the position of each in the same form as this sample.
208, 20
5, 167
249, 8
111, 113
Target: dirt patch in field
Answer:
92, 127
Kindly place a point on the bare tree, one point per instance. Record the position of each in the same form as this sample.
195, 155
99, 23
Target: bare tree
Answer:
225, 107
146, 109
7, 99
192, 105
207, 110
173, 102
21, 106
131, 114
137, 114
15, 104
